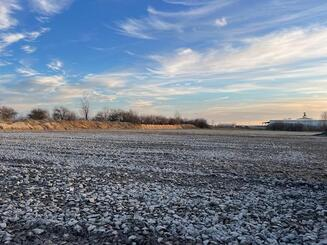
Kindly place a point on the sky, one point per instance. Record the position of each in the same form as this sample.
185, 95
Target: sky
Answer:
230, 61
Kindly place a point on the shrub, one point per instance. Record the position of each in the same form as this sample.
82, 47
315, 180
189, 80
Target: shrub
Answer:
132, 117
152, 119
7, 113
124, 116
38, 114
63, 114
103, 116
199, 122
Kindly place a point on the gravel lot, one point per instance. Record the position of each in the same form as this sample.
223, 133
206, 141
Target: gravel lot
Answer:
169, 187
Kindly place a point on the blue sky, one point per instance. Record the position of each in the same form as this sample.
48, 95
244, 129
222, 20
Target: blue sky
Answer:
242, 61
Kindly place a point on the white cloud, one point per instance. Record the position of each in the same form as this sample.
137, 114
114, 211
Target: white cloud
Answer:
142, 103
158, 91
7, 8
32, 89
49, 81
275, 49
221, 22
146, 28
10, 38
239, 87
158, 21
134, 28
27, 72
189, 2
144, 106
31, 36
199, 11
7, 39
43, 19
107, 80
50, 7
56, 65
195, 21
28, 49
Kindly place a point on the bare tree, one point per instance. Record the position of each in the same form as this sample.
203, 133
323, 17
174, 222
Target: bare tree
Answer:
7, 113
178, 118
85, 107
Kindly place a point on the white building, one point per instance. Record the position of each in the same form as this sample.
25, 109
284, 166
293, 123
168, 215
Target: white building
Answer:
304, 121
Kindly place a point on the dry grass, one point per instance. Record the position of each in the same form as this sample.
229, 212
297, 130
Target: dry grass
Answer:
80, 125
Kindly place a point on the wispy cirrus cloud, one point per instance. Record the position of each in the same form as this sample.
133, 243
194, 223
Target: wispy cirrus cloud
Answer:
49, 82
135, 28
193, 11
256, 64
175, 21
27, 72
147, 28
107, 80
189, 2
50, 7
7, 39
275, 49
268, 63
198, 20
255, 20
28, 49
7, 9
55, 65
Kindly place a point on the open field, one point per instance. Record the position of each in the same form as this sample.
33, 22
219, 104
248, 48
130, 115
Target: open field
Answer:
186, 187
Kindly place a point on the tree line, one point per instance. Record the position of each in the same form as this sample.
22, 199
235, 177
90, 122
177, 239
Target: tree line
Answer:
62, 113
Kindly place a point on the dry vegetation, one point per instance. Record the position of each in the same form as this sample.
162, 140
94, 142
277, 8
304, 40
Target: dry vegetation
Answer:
62, 118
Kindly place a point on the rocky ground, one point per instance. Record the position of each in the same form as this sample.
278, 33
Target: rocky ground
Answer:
162, 187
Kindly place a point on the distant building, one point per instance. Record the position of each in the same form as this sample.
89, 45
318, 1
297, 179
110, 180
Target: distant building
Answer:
304, 121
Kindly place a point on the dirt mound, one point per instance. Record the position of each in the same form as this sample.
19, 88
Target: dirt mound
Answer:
82, 125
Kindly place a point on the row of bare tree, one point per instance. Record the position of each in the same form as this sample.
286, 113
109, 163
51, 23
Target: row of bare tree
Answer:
59, 113
63, 114
132, 117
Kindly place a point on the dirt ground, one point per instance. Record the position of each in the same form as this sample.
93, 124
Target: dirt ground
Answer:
163, 186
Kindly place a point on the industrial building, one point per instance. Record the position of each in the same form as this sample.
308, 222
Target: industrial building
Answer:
303, 122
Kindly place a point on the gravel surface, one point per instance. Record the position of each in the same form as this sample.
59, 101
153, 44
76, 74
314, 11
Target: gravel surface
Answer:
168, 187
